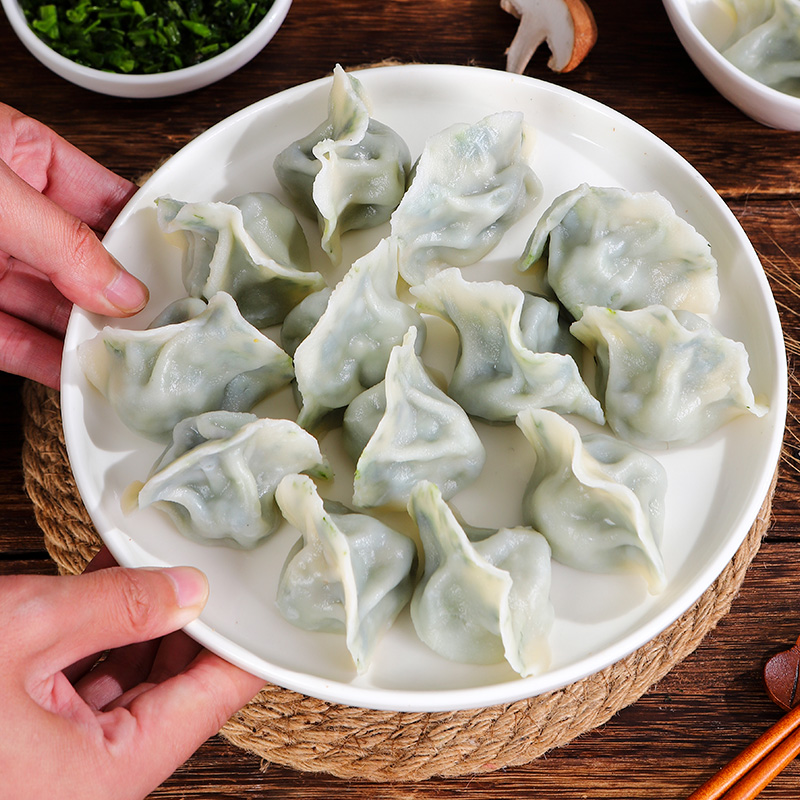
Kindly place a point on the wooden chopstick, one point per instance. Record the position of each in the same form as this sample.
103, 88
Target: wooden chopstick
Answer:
757, 778
757, 764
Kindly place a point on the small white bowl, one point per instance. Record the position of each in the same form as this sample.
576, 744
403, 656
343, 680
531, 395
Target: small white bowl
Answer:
700, 24
161, 84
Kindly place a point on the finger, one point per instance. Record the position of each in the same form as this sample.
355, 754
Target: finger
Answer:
76, 616
121, 670
86, 190
185, 710
76, 671
214, 687
37, 231
177, 651
30, 296
28, 351
68, 176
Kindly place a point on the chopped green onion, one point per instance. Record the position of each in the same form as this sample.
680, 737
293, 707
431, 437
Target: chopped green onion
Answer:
46, 23
197, 28
142, 36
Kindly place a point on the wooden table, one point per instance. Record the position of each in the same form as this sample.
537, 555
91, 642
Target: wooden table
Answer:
712, 704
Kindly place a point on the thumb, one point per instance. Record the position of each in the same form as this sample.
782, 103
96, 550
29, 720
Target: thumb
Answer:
110, 608
65, 249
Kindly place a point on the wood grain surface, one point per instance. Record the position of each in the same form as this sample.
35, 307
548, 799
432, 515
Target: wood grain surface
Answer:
711, 705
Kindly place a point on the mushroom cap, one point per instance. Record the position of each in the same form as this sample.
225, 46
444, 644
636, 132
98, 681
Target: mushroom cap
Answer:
568, 27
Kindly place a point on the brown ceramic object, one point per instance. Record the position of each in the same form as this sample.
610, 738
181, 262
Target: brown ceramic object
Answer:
782, 677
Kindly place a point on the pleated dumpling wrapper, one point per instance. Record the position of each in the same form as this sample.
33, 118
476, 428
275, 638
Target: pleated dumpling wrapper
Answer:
217, 481
666, 378
351, 171
765, 42
470, 185
606, 246
348, 348
599, 502
481, 601
253, 248
349, 573
514, 352
419, 433
215, 360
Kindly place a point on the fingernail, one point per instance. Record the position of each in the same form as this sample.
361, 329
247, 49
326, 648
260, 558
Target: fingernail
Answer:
126, 293
191, 586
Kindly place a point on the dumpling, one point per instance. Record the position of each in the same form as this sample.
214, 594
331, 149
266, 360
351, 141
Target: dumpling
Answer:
513, 352
481, 601
253, 248
766, 42
302, 318
348, 349
609, 247
214, 361
351, 171
422, 434
471, 183
665, 378
349, 573
361, 419
222, 489
205, 427
599, 502
180, 310
746, 15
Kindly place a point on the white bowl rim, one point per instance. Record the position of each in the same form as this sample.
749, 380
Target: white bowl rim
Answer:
268, 26
685, 26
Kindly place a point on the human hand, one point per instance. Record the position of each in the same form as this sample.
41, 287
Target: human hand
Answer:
53, 198
118, 728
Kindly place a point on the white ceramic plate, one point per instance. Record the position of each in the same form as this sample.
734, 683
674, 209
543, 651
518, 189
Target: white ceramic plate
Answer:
705, 25
715, 488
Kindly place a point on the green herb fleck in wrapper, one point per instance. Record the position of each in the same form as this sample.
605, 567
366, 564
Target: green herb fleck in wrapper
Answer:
142, 36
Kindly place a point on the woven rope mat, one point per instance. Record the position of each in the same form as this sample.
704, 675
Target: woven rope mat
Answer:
290, 729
